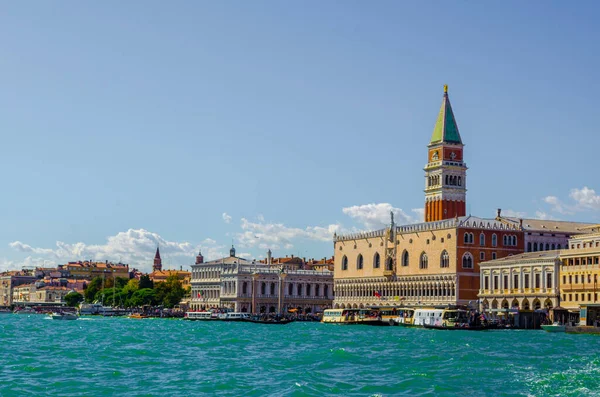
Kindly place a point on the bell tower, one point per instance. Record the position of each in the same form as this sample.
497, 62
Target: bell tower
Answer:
157, 266
445, 172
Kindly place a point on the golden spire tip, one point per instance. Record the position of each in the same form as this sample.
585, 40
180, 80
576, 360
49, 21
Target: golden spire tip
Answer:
445, 88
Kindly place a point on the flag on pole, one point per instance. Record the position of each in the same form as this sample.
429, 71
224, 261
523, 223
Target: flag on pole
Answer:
377, 294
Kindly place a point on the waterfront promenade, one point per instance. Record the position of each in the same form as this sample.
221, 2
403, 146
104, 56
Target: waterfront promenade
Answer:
118, 356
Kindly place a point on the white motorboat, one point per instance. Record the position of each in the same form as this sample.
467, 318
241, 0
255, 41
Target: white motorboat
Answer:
556, 327
63, 316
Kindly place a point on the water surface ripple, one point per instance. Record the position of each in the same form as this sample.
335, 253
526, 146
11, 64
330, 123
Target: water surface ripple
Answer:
117, 356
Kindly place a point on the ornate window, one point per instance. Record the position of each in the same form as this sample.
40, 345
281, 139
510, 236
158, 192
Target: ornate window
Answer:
299, 288
405, 258
317, 289
244, 288
445, 259
467, 261
467, 239
482, 239
263, 288
494, 240
376, 261
389, 264
423, 261
529, 246
359, 262
345, 263
290, 289
272, 288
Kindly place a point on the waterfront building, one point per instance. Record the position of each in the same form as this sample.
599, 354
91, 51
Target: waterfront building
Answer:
244, 285
436, 262
40, 293
159, 276
10, 280
87, 270
545, 235
580, 270
519, 285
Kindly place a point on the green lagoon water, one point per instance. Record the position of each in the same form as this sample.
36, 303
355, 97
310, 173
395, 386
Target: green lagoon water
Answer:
156, 357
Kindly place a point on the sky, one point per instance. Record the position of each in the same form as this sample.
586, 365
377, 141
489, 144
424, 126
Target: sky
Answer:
198, 125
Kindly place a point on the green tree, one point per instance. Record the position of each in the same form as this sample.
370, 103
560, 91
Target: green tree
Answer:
132, 286
145, 282
73, 298
121, 282
170, 292
92, 289
143, 296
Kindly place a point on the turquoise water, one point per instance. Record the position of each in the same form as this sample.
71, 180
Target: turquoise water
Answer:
156, 357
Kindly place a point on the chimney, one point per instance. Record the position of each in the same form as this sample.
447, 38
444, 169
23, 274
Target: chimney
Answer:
499, 212
180, 268
292, 256
521, 223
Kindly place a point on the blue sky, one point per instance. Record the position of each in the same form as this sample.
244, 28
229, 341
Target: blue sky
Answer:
272, 124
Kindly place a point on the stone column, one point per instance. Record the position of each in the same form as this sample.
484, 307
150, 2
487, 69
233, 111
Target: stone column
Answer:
254, 278
281, 292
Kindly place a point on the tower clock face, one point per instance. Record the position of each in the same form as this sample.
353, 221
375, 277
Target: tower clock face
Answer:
435, 155
452, 155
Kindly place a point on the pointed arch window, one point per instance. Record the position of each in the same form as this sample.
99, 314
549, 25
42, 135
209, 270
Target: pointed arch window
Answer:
272, 288
482, 239
535, 247
389, 264
405, 258
467, 261
345, 263
376, 261
466, 238
359, 262
459, 181
445, 259
529, 246
423, 261
494, 240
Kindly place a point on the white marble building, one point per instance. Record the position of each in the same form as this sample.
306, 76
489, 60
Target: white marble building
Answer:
251, 286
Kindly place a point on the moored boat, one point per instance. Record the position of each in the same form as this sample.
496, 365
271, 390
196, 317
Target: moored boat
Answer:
232, 316
461, 327
200, 316
354, 316
267, 320
137, 316
556, 327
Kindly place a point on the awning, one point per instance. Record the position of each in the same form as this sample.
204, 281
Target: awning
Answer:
294, 310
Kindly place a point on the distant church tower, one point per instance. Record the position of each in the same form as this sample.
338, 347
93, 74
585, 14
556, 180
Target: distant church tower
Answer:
445, 173
232, 251
157, 261
199, 258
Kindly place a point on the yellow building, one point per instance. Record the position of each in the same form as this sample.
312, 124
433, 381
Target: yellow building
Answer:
87, 270
580, 270
160, 276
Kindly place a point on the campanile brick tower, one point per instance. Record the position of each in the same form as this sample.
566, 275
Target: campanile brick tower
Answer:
445, 172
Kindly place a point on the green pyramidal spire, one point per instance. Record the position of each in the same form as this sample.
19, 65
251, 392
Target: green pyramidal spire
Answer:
445, 129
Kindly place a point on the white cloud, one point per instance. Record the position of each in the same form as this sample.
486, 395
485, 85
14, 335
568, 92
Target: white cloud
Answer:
544, 216
514, 214
377, 216
585, 198
557, 205
226, 217
266, 235
134, 246
420, 212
